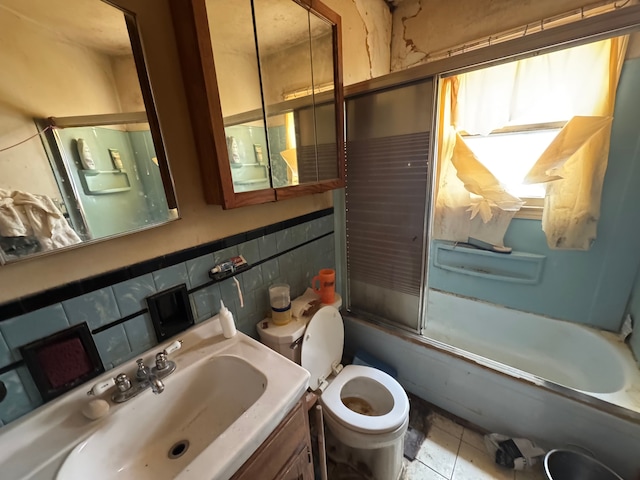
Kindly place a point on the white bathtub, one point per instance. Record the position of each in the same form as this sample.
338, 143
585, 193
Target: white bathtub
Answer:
519, 374
581, 359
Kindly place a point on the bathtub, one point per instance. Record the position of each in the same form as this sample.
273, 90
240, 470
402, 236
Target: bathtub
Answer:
592, 365
498, 369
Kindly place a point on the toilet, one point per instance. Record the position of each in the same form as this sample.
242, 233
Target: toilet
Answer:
365, 409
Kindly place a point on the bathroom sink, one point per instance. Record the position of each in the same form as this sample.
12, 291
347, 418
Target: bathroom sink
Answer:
222, 402
162, 435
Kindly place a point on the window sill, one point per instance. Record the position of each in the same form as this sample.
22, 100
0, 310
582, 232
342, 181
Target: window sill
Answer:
530, 212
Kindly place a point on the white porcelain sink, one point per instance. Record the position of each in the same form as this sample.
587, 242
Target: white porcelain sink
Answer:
162, 435
221, 403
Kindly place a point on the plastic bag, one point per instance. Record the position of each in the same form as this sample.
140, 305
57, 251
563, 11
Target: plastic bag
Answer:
515, 453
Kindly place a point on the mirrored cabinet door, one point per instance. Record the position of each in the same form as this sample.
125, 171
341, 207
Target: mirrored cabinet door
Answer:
231, 27
324, 99
265, 95
284, 46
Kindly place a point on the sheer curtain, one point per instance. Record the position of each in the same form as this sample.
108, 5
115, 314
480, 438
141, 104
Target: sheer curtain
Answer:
577, 86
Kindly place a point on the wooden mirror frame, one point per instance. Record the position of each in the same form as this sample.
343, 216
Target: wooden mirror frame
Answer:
199, 74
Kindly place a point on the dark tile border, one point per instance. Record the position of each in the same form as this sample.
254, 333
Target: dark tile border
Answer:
55, 295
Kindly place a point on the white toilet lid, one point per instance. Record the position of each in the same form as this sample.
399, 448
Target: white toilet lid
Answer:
322, 344
332, 401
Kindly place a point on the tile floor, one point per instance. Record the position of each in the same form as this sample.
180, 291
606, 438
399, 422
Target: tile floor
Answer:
453, 452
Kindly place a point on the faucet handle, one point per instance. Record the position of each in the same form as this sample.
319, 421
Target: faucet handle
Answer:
161, 361
172, 347
161, 358
122, 382
143, 371
101, 387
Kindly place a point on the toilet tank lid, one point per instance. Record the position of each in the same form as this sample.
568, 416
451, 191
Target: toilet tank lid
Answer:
322, 344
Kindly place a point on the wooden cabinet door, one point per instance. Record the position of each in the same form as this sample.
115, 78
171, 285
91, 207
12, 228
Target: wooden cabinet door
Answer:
285, 452
300, 468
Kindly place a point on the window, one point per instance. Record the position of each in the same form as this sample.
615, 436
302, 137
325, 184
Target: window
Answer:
509, 154
546, 118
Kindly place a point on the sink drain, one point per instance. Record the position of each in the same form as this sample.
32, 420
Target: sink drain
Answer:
178, 449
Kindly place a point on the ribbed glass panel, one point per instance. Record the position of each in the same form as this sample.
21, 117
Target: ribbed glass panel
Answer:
385, 199
387, 186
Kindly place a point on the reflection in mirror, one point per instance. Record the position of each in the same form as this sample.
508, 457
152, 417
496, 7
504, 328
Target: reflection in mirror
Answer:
297, 78
276, 88
95, 175
324, 111
282, 29
236, 63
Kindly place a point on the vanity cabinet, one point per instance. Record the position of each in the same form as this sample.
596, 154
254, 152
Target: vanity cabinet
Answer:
264, 86
285, 454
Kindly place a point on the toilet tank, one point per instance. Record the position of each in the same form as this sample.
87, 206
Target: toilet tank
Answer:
284, 339
287, 339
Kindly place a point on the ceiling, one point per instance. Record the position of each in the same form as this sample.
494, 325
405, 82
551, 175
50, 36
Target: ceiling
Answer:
280, 24
100, 26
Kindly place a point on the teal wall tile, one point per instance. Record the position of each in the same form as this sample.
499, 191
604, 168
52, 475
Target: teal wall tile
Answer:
131, 295
5, 352
140, 333
17, 401
198, 269
243, 313
251, 279
289, 270
261, 299
113, 346
321, 226
250, 251
229, 290
29, 385
130, 339
267, 246
285, 240
32, 326
299, 233
171, 276
225, 254
270, 271
206, 301
247, 317
96, 308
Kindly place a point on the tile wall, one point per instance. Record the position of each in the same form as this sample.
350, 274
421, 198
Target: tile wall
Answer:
289, 252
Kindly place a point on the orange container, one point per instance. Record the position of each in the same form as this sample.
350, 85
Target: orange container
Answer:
326, 279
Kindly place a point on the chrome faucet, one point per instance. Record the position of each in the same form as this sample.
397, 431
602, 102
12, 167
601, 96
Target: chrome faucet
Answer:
148, 379
145, 377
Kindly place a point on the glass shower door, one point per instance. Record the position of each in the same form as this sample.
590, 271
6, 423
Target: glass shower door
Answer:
386, 195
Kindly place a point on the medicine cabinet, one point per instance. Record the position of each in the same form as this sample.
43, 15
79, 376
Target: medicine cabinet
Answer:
264, 84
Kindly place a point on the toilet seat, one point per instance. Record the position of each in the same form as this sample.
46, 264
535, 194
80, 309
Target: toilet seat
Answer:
389, 422
322, 347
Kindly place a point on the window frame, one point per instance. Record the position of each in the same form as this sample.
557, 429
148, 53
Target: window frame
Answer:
534, 206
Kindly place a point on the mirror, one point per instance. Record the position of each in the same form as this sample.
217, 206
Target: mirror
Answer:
275, 69
81, 156
237, 70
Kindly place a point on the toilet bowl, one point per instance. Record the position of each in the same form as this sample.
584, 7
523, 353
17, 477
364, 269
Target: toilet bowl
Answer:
365, 409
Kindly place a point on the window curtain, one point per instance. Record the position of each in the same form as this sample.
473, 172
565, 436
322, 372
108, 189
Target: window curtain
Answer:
576, 85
